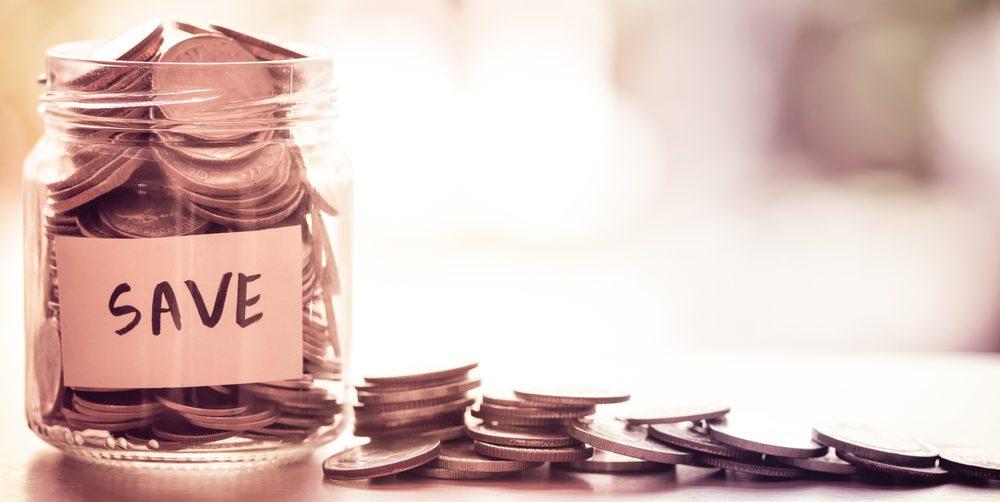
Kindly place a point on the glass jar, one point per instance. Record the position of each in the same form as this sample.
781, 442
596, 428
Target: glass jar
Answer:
187, 232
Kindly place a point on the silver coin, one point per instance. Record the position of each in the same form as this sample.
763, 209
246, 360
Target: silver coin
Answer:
561, 454
876, 445
462, 456
617, 437
506, 397
520, 421
570, 395
931, 473
976, 462
494, 411
756, 469
381, 458
610, 463
523, 437
762, 435
449, 389
47, 363
690, 437
422, 373
674, 414
827, 464
438, 473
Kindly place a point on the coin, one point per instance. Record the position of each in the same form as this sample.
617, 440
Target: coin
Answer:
438, 473
570, 395
929, 473
381, 458
259, 45
149, 215
560, 454
756, 469
423, 394
185, 95
138, 44
976, 462
519, 436
521, 421
689, 437
494, 411
827, 464
422, 374
451, 407
461, 456
615, 436
608, 462
762, 435
674, 414
47, 363
506, 397
876, 445
203, 401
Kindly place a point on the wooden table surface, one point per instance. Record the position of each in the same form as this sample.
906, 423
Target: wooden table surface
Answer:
944, 398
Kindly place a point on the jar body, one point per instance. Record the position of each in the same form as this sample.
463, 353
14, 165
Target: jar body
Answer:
187, 291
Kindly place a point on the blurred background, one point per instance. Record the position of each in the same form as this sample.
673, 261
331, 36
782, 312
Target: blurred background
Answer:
542, 180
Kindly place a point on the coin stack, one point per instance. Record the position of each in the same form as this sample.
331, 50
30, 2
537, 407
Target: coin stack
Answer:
428, 403
515, 431
144, 161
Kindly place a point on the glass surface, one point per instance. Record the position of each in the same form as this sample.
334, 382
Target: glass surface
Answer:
177, 152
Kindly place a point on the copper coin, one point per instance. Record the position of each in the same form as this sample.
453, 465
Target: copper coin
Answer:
381, 458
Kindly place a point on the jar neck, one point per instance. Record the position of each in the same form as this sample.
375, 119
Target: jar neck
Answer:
150, 102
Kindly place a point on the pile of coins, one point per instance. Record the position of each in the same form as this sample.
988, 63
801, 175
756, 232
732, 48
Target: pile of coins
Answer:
425, 403
511, 432
145, 160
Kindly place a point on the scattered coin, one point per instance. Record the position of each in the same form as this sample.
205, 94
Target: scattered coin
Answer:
560, 454
462, 456
931, 473
976, 462
690, 437
617, 437
607, 462
571, 396
827, 464
674, 414
423, 374
522, 437
772, 437
876, 445
757, 469
381, 458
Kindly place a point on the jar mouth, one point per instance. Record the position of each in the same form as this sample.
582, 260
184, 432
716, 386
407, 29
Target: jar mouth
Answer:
77, 53
220, 100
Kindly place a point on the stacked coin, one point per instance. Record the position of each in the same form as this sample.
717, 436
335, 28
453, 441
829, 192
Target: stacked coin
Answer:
531, 424
155, 151
429, 402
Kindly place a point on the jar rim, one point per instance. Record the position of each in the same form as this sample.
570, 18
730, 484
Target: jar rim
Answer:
77, 51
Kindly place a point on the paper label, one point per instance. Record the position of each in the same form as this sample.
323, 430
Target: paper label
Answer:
183, 311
